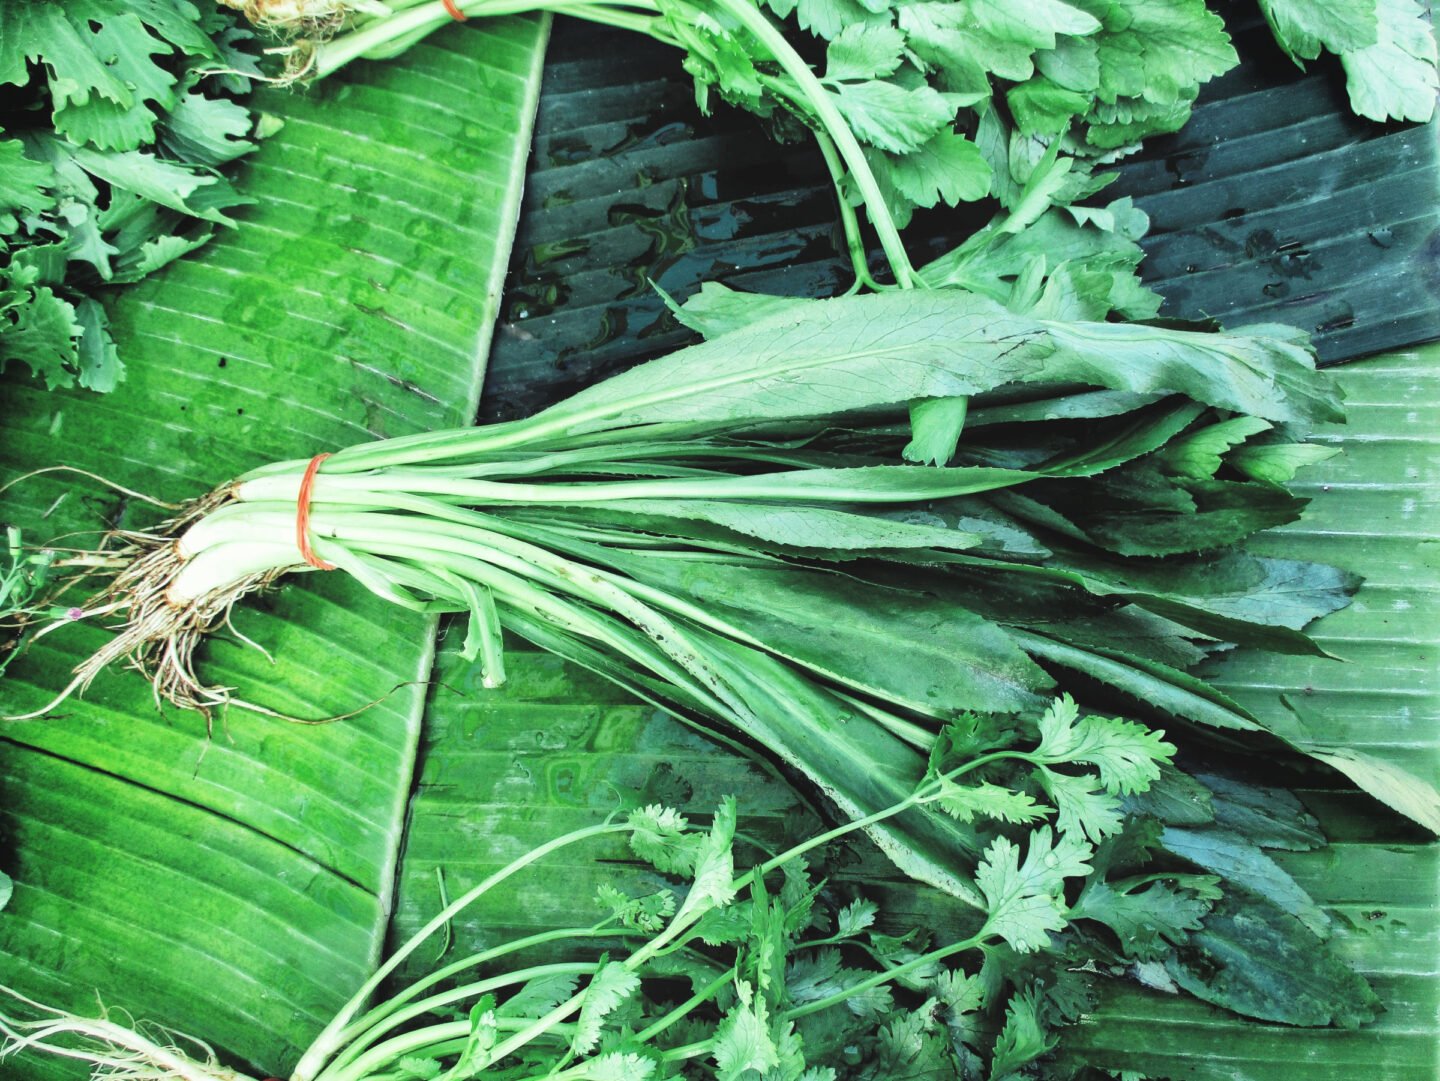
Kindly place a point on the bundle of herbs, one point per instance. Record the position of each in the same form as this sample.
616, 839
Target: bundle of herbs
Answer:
732, 532
936, 102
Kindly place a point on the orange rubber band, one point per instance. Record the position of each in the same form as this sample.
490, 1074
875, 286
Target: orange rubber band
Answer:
455, 13
302, 516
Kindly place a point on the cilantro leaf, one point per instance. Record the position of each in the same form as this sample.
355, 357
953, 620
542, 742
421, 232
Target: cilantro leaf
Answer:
606, 992
743, 1044
855, 917
426, 1069
819, 974
1302, 27
649, 913
1080, 807
913, 1045
1395, 79
620, 1066
959, 992
966, 802
1146, 920
1026, 899
539, 996
1023, 1038
714, 884
1127, 754
661, 837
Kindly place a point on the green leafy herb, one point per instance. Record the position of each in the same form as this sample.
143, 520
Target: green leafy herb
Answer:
109, 168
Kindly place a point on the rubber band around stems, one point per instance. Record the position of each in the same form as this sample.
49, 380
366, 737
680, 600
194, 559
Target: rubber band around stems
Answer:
302, 516
455, 13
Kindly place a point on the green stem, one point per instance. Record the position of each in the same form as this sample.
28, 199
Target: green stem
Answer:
413, 22
474, 960
680, 1012
357, 1048
885, 977
822, 102
854, 239
330, 1040
764, 488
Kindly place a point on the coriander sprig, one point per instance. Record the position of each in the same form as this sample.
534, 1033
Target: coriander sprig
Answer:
770, 976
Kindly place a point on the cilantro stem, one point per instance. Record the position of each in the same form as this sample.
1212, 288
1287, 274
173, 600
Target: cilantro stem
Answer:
681, 1011
331, 1039
885, 977
364, 1049
828, 113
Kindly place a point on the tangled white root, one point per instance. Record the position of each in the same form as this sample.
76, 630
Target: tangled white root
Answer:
304, 16
159, 636
116, 1051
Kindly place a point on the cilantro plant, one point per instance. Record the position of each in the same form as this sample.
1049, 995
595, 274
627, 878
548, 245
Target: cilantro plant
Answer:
784, 982
917, 103
115, 130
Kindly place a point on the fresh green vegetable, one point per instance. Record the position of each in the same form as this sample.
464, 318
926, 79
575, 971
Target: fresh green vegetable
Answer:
726, 532
944, 101
109, 165
783, 981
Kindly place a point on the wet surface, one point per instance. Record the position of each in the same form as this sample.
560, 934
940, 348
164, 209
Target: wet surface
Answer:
1274, 204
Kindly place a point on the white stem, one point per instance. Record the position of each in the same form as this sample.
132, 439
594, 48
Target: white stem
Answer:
225, 564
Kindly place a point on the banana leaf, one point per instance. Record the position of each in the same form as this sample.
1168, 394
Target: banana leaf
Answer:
498, 772
238, 883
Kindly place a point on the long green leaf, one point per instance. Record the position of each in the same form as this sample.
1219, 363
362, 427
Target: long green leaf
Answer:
238, 886
1376, 512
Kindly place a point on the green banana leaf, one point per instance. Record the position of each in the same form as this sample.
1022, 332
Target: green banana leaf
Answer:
239, 888
237, 885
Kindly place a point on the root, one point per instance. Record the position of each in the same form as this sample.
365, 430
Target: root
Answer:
159, 637
116, 1051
